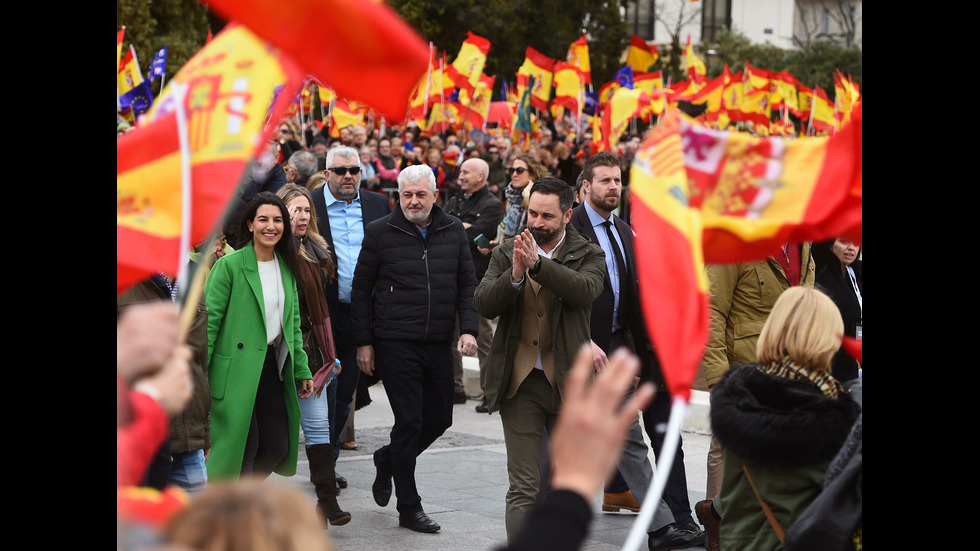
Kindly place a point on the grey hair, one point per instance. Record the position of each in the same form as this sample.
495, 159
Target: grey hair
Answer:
304, 162
415, 173
344, 151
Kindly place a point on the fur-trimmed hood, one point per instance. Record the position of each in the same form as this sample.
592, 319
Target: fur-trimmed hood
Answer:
778, 421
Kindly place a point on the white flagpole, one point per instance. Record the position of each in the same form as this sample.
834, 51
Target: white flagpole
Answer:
185, 188
638, 532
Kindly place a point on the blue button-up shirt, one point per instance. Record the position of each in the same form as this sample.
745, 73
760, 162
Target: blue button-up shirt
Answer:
347, 228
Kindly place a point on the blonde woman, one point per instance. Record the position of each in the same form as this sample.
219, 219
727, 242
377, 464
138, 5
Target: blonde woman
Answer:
781, 421
314, 268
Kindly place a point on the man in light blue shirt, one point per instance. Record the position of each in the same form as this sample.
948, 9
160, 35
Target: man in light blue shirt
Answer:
343, 210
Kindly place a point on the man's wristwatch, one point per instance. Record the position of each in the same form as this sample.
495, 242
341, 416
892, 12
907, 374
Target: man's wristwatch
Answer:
536, 268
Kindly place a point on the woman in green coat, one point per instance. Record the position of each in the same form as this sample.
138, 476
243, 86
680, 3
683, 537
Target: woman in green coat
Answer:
257, 368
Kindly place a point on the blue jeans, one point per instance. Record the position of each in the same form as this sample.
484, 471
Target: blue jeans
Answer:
315, 419
188, 471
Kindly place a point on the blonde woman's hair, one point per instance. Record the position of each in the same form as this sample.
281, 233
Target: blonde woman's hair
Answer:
317, 181
805, 326
289, 192
248, 515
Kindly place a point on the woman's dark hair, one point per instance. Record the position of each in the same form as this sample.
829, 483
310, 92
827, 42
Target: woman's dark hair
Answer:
286, 247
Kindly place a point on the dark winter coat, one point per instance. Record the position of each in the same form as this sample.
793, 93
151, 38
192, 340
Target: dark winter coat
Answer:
785, 432
409, 288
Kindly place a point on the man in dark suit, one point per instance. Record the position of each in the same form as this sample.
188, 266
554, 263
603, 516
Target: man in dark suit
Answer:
341, 216
618, 321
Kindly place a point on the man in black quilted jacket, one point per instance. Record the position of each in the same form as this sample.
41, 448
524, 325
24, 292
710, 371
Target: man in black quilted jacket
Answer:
414, 275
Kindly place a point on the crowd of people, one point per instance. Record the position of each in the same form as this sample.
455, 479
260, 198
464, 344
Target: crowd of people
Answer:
388, 256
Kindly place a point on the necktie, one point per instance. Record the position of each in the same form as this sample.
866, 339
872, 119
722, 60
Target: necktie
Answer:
620, 264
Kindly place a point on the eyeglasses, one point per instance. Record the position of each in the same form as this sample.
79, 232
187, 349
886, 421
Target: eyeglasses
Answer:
342, 170
518, 169
285, 131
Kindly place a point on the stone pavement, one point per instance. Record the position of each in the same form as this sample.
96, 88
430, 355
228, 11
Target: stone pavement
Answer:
462, 479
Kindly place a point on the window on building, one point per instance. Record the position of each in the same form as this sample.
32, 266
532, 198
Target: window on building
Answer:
825, 22
715, 16
640, 16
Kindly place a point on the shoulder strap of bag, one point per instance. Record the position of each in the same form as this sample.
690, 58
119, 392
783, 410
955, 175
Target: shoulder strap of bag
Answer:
769, 515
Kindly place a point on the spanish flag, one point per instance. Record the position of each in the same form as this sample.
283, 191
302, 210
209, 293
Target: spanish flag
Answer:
623, 107
568, 87
540, 67
822, 117
703, 195
230, 85
119, 40
578, 56
344, 113
653, 85
364, 50
466, 69
695, 67
641, 55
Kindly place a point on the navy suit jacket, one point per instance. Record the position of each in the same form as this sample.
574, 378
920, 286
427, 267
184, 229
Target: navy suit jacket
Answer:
631, 316
373, 206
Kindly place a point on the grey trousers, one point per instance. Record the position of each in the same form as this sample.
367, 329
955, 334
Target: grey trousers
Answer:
637, 471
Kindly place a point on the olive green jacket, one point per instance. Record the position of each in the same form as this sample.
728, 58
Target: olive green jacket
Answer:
742, 296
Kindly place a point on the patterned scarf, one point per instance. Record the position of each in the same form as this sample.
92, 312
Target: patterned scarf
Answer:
824, 381
515, 215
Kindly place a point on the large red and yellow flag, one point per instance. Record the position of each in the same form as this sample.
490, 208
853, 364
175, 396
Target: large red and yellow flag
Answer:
578, 56
756, 193
672, 284
477, 101
641, 55
230, 85
712, 196
541, 67
466, 69
364, 50
787, 95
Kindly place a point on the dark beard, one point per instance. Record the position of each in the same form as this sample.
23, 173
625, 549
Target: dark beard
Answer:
545, 237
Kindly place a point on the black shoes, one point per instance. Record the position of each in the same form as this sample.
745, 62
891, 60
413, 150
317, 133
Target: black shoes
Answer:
420, 522
459, 397
675, 538
341, 482
382, 482
482, 406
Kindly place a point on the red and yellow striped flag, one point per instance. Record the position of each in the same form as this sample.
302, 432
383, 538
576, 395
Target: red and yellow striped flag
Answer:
703, 195
466, 69
540, 67
641, 55
578, 56
230, 84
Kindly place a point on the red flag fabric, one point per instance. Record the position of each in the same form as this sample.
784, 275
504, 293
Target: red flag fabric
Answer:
230, 83
363, 50
853, 347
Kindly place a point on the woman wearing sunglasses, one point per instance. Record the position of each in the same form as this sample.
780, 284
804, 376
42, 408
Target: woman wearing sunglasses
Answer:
523, 170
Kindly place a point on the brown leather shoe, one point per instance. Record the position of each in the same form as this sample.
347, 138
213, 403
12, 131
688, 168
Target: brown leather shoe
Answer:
707, 519
613, 502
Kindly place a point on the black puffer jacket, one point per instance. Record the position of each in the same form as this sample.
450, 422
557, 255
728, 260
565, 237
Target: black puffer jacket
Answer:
409, 288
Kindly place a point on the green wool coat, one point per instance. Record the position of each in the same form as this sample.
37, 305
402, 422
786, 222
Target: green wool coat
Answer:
236, 352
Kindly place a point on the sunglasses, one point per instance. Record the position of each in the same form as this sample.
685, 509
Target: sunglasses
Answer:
494, 152
342, 170
518, 169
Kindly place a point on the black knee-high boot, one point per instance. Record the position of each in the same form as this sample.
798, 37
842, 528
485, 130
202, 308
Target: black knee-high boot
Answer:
325, 481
